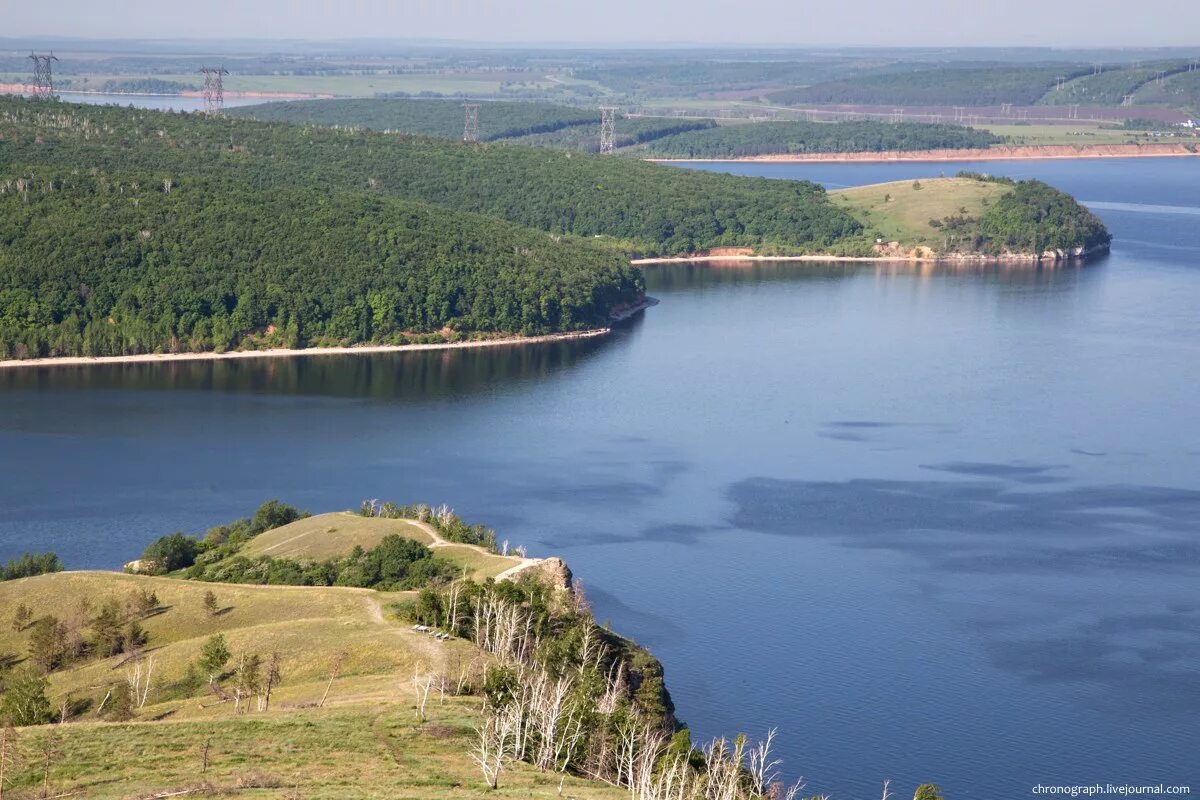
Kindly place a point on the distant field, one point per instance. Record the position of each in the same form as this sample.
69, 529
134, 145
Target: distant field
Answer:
899, 212
1083, 133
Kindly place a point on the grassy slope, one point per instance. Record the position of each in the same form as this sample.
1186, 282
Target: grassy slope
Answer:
365, 743
330, 535
905, 217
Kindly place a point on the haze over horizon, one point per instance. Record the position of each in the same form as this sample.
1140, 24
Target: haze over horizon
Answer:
1058, 23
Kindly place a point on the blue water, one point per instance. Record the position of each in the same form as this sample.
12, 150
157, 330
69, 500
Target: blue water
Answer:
159, 102
933, 524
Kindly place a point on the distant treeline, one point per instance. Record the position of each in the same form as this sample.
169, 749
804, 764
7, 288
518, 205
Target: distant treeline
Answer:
765, 138
444, 118
541, 124
956, 85
146, 86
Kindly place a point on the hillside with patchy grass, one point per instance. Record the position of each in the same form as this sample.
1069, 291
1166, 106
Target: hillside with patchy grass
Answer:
364, 741
920, 85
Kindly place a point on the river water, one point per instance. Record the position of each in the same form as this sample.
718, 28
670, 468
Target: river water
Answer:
158, 102
933, 524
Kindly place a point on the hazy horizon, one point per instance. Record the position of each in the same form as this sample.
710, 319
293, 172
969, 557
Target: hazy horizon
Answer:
615, 23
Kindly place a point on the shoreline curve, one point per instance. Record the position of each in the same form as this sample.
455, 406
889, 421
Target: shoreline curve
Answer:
352, 350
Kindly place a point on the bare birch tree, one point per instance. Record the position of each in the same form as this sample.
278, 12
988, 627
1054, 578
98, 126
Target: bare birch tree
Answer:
10, 754
335, 669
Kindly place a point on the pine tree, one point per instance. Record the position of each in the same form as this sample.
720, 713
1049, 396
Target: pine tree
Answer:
25, 701
21, 617
108, 629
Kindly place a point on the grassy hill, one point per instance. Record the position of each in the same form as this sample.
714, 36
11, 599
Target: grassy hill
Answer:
332, 535
974, 214
899, 212
366, 742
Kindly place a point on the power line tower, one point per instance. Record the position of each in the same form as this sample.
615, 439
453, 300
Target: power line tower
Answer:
1060, 82
608, 129
43, 75
1127, 100
214, 89
470, 122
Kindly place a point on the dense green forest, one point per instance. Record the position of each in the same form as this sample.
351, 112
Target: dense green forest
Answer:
1035, 217
539, 124
817, 137
114, 264
652, 208
957, 85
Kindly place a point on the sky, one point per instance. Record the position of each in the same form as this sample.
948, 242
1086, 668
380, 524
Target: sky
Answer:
1062, 23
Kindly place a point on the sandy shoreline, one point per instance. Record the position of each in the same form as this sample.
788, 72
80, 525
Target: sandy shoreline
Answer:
355, 350
283, 352
965, 258
999, 153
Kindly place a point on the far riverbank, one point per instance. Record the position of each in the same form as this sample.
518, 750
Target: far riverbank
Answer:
998, 153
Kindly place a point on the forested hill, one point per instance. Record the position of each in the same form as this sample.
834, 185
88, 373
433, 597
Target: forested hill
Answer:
769, 138
103, 264
652, 209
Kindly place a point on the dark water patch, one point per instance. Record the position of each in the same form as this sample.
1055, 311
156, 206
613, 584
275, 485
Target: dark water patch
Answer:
1021, 473
1145, 661
984, 526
